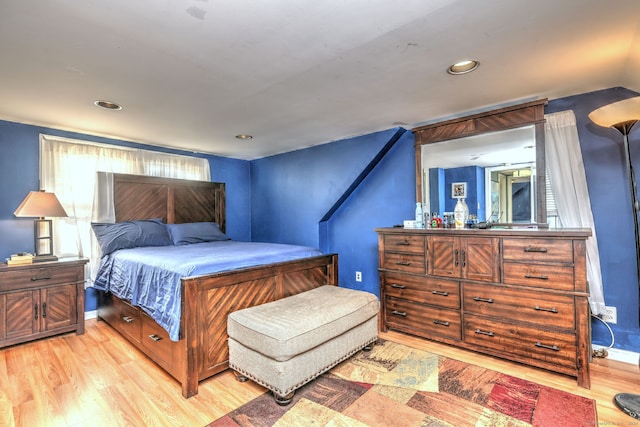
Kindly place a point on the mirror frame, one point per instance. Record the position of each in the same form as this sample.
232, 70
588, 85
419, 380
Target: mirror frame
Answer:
530, 113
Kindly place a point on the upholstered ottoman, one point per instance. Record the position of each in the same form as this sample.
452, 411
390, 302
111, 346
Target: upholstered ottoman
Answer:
284, 344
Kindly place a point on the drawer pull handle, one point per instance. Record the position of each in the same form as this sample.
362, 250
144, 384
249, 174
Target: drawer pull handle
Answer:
155, 337
403, 263
403, 243
536, 249
464, 259
487, 300
441, 293
127, 319
533, 276
550, 310
44, 310
399, 313
550, 347
455, 258
35, 279
481, 332
35, 307
396, 286
440, 322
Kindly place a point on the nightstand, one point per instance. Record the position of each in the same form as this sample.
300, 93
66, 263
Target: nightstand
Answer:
41, 299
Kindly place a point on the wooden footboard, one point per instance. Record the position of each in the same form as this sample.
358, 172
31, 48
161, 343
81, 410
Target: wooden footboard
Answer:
202, 350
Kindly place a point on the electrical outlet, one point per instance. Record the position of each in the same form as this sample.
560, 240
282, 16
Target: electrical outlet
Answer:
358, 276
610, 315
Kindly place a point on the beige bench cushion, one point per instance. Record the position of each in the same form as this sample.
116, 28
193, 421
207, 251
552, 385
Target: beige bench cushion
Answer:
290, 326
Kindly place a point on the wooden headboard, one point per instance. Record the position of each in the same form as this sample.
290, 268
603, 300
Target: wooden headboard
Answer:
176, 201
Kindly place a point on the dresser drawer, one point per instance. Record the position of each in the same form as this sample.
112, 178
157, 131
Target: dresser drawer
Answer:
538, 250
538, 307
409, 263
539, 275
427, 290
554, 348
404, 243
23, 278
422, 320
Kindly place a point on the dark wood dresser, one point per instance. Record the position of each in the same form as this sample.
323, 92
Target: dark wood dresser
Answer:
517, 294
41, 299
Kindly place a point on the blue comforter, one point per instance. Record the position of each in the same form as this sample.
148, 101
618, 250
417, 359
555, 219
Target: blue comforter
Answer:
149, 277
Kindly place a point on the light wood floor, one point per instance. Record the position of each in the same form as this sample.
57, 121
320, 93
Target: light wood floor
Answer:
98, 379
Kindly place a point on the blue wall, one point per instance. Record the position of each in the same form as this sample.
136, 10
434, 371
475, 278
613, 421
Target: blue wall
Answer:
292, 192
283, 199
19, 174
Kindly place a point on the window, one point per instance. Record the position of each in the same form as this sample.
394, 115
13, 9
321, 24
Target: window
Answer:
68, 168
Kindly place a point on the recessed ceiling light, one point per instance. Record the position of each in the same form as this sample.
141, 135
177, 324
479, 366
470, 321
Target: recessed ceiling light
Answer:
244, 136
108, 105
463, 67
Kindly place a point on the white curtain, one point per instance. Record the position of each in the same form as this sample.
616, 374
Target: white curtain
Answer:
569, 187
69, 169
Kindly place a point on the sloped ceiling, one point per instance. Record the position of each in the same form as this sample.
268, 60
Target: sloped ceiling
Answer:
192, 74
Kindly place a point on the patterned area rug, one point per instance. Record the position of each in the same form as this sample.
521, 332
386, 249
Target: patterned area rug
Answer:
396, 385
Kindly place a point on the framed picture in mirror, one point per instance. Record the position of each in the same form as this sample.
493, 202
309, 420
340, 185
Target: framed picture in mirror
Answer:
458, 190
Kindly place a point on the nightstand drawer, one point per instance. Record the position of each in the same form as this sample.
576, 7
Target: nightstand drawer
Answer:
15, 278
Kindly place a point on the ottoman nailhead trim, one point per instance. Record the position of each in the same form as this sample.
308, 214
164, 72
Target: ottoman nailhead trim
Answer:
303, 382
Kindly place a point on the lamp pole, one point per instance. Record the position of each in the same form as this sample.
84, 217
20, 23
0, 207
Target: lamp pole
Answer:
624, 128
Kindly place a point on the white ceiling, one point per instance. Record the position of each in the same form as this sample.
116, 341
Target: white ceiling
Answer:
192, 74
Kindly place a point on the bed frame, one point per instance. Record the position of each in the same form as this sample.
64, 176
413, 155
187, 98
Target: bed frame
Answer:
207, 300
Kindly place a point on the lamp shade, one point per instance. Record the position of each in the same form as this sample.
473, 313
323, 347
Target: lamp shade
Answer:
617, 113
40, 204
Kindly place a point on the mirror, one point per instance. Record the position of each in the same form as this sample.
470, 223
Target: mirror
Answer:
495, 161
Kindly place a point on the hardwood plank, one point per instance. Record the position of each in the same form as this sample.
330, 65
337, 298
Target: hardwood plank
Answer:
99, 379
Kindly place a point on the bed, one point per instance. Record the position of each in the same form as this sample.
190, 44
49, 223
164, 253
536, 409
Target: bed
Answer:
199, 350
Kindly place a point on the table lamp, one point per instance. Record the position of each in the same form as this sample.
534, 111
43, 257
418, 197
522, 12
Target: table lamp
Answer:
41, 204
622, 116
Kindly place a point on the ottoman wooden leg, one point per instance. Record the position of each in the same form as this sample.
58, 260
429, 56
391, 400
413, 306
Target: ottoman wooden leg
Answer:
239, 377
369, 347
284, 400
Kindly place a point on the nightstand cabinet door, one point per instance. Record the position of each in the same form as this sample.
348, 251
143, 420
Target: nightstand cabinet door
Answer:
22, 314
58, 307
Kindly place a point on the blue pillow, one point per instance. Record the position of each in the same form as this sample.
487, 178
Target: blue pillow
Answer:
195, 232
131, 234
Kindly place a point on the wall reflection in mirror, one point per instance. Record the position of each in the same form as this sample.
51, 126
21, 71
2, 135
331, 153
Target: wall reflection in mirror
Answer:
499, 169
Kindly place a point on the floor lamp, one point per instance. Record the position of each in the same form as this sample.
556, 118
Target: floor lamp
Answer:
622, 116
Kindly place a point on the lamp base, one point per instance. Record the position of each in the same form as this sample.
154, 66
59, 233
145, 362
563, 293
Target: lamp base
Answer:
44, 258
629, 403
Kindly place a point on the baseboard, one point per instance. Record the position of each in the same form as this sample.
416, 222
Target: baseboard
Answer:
620, 355
90, 314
